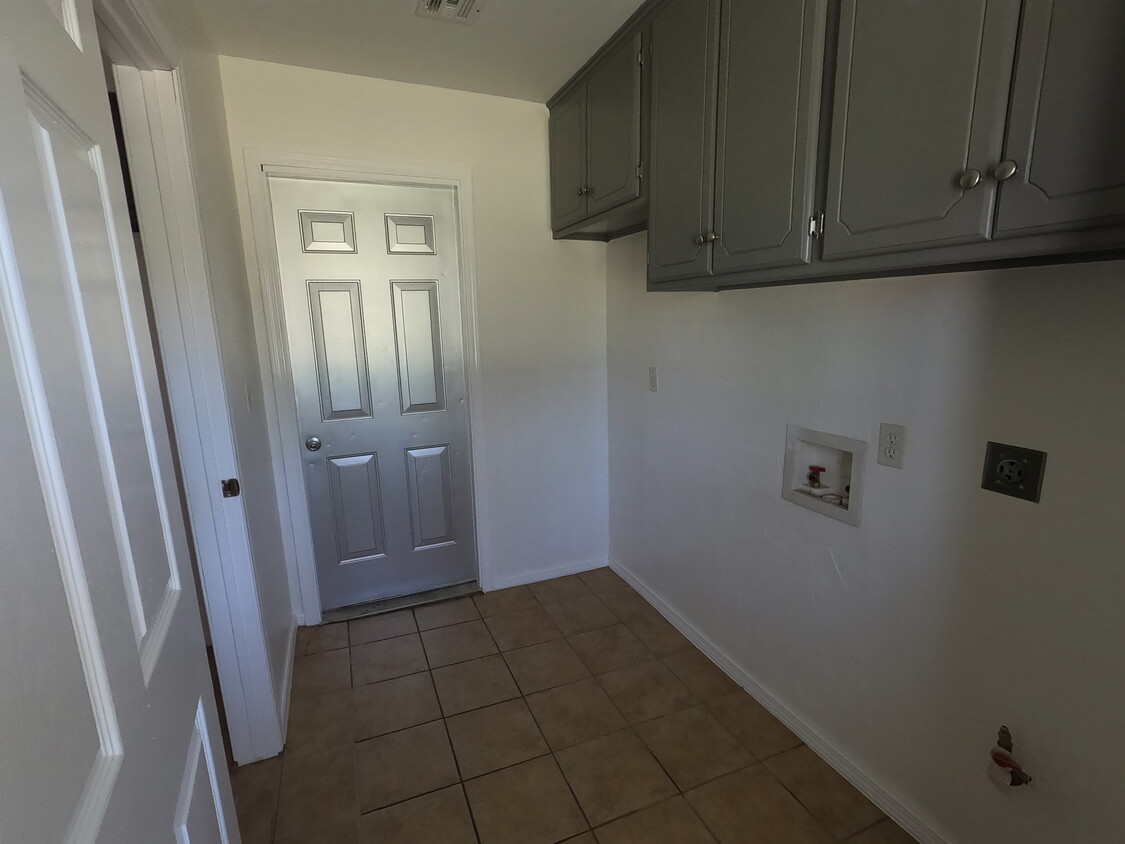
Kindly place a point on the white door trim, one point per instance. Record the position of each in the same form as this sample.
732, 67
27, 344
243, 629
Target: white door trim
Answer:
273, 351
158, 142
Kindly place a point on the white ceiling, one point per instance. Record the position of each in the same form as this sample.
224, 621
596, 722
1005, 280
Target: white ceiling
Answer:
517, 48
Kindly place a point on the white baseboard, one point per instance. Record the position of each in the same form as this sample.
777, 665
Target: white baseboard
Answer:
891, 805
524, 577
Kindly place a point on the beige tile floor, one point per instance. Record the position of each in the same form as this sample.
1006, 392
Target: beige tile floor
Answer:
566, 711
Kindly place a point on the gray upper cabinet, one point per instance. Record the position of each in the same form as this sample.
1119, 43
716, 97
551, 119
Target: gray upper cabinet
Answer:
613, 129
682, 151
771, 61
918, 123
1067, 126
567, 134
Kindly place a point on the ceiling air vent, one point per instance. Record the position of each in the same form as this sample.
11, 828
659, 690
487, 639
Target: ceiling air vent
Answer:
458, 11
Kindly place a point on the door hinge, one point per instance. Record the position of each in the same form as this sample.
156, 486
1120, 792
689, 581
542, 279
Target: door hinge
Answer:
640, 172
231, 488
816, 226
641, 58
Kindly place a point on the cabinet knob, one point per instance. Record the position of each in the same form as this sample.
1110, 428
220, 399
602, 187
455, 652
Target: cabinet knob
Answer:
970, 179
700, 239
1005, 170
582, 191
711, 237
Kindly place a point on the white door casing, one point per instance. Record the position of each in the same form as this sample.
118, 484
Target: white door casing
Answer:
108, 728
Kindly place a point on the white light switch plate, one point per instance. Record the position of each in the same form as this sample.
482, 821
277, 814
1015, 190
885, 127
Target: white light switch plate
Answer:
892, 445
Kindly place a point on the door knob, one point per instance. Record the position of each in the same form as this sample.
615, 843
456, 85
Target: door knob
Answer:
1005, 170
313, 443
970, 179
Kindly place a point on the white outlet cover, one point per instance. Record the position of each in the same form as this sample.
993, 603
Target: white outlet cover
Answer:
892, 446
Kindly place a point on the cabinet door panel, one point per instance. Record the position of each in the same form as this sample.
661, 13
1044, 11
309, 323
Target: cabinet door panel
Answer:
684, 70
613, 129
567, 132
921, 97
1067, 121
770, 64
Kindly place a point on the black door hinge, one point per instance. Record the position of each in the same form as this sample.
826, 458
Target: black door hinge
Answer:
231, 488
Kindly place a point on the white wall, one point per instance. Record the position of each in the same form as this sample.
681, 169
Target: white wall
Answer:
541, 303
906, 642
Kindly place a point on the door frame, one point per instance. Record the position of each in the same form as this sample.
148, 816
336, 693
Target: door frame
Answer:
145, 63
273, 349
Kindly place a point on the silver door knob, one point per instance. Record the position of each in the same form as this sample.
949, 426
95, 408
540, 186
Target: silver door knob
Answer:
1005, 170
711, 237
970, 179
313, 443
700, 239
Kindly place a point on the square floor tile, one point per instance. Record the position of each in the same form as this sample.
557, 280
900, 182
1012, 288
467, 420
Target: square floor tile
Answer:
405, 764
646, 691
609, 649
671, 821
629, 605
318, 799
752, 724
614, 775
445, 613
441, 817
256, 788
495, 737
885, 832
505, 600
545, 666
387, 659
320, 722
833, 801
659, 635
375, 628
751, 807
471, 685
575, 713
581, 613
529, 803
458, 643
602, 580
693, 747
522, 628
320, 673
703, 678
558, 589
394, 705
323, 637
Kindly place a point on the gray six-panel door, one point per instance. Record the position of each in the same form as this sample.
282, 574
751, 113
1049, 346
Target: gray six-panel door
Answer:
613, 129
770, 64
684, 70
1067, 127
918, 123
567, 139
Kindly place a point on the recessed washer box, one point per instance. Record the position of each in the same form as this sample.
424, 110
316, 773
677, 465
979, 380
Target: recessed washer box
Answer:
834, 462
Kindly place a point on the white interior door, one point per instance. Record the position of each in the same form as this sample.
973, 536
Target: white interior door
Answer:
107, 719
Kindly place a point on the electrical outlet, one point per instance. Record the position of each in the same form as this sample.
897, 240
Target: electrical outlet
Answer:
1011, 470
892, 445
653, 380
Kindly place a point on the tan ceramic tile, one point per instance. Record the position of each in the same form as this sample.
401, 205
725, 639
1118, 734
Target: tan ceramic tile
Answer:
320, 722
528, 803
445, 613
394, 705
693, 747
318, 799
320, 673
256, 788
646, 691
495, 737
545, 666
458, 643
609, 649
575, 713
834, 801
659, 635
629, 605
558, 589
375, 628
405, 764
581, 613
885, 832
441, 817
751, 807
670, 822
324, 637
522, 628
584, 838
603, 580
703, 678
471, 685
505, 600
387, 659
614, 775
752, 724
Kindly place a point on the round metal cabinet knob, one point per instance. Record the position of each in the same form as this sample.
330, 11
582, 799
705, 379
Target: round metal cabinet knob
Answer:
700, 239
1005, 170
711, 237
313, 443
970, 179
